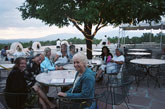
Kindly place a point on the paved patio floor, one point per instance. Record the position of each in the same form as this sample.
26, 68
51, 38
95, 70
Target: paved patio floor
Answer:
143, 97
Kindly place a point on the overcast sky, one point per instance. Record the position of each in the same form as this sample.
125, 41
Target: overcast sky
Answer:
13, 27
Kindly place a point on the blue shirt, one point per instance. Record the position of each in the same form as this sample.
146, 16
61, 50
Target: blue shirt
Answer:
3, 52
84, 87
47, 64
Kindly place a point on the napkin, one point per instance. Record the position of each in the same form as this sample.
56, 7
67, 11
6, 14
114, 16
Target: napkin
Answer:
59, 80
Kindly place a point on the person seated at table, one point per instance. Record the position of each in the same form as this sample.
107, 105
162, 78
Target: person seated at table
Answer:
83, 86
19, 53
116, 62
16, 83
30, 52
47, 63
61, 57
4, 53
71, 51
33, 65
106, 57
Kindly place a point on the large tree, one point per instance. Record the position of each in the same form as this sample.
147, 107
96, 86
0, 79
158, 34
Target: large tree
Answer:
89, 16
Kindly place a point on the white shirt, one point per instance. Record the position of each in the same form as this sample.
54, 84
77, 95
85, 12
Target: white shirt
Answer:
61, 60
118, 58
19, 54
114, 67
58, 43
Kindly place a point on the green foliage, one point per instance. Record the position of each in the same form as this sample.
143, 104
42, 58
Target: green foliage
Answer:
2, 45
57, 12
92, 12
146, 37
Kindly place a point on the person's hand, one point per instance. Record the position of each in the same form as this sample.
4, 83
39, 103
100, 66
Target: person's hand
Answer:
61, 68
57, 68
112, 61
62, 94
56, 57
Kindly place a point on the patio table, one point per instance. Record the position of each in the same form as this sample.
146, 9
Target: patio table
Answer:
6, 66
139, 53
69, 67
142, 50
147, 64
57, 78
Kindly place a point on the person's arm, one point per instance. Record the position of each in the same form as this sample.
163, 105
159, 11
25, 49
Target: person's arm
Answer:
69, 91
56, 57
87, 87
118, 62
47, 65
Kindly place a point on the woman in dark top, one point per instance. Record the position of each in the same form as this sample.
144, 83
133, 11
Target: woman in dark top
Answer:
17, 83
106, 57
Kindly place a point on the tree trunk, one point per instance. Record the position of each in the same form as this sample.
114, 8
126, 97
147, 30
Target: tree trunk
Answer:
89, 39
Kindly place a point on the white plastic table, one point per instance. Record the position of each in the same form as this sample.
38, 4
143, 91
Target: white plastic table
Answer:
139, 53
57, 78
6, 66
137, 49
148, 61
69, 67
97, 50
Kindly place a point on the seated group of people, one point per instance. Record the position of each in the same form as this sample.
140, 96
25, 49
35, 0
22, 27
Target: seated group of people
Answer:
22, 77
22, 80
111, 64
62, 57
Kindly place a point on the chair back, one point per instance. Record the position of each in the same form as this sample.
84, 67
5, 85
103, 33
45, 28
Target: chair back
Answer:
117, 91
78, 103
15, 100
21, 100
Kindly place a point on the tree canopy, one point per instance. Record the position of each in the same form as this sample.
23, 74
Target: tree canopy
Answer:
84, 14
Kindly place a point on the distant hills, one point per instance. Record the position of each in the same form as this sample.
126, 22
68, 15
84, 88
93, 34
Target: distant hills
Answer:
63, 36
46, 38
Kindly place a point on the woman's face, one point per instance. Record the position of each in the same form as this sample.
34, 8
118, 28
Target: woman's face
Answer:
22, 65
118, 53
49, 53
79, 65
38, 60
63, 48
104, 50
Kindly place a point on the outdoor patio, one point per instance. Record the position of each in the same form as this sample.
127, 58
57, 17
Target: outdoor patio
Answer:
143, 98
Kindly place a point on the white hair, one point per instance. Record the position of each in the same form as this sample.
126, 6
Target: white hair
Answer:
82, 57
46, 50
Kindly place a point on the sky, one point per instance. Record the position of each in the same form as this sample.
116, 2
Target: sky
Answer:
13, 27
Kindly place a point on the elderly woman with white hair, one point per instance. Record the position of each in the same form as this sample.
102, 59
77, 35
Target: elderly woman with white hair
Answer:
116, 62
84, 82
47, 64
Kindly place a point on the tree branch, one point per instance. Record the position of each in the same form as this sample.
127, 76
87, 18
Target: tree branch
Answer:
98, 28
75, 23
78, 27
